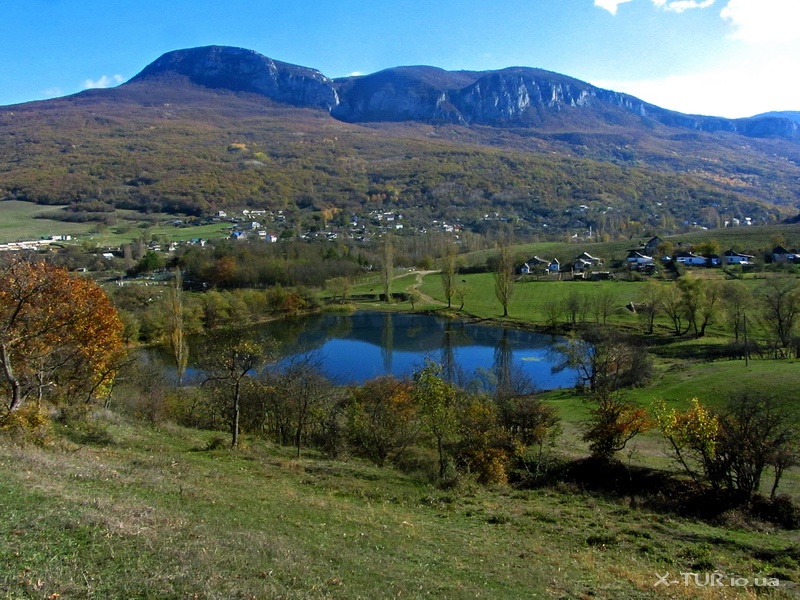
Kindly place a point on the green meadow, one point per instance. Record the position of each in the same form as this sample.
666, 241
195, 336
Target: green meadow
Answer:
19, 222
121, 510
25, 221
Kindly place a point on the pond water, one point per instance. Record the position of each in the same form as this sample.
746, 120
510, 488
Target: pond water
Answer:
357, 347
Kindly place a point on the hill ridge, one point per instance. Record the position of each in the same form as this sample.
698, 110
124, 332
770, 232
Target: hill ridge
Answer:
510, 97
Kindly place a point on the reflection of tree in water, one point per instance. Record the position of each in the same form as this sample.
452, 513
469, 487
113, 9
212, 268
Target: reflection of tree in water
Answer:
503, 360
387, 342
454, 334
292, 335
510, 380
297, 336
338, 327
414, 329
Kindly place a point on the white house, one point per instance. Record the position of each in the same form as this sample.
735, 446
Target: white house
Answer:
586, 261
638, 259
694, 260
532, 264
731, 257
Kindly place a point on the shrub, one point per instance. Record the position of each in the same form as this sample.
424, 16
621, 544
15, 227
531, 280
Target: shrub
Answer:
27, 424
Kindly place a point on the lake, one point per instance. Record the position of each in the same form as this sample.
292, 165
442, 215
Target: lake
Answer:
357, 347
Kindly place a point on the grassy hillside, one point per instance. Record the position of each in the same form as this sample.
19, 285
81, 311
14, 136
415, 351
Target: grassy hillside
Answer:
20, 221
135, 512
187, 149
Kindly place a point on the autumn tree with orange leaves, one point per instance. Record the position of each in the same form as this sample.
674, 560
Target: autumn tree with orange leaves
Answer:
60, 336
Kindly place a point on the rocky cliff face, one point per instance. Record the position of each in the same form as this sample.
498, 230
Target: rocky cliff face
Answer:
241, 70
518, 96
401, 94
513, 97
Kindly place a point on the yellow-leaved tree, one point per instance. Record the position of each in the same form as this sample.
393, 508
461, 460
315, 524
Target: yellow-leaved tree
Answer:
60, 336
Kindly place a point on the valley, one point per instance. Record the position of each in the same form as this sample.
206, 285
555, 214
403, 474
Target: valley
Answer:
230, 199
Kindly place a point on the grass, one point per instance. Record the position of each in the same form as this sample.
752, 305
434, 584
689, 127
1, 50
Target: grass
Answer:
18, 222
116, 235
531, 298
709, 381
149, 514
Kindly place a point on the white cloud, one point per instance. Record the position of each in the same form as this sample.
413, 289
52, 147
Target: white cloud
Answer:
610, 5
680, 6
104, 82
677, 6
763, 21
739, 89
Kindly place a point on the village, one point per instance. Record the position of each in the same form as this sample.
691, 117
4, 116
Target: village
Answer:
644, 260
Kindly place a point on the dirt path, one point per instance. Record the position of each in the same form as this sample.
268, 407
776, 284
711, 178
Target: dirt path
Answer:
424, 298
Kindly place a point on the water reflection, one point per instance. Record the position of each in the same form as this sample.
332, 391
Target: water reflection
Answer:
354, 348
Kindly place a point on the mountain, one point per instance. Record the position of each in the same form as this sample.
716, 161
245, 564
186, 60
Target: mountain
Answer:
792, 115
207, 128
241, 70
517, 96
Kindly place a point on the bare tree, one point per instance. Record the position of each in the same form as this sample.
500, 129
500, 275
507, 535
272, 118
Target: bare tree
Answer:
671, 303
462, 289
649, 304
755, 432
302, 389
449, 272
230, 363
700, 301
604, 360
732, 446
339, 287
504, 276
780, 301
736, 300
603, 305
576, 305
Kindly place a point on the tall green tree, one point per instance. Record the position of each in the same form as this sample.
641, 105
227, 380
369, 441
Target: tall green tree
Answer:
436, 401
387, 267
176, 330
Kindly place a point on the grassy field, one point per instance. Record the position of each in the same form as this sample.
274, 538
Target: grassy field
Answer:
114, 236
18, 221
133, 512
531, 298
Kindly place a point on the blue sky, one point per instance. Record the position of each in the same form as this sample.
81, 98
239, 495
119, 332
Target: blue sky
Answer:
729, 58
